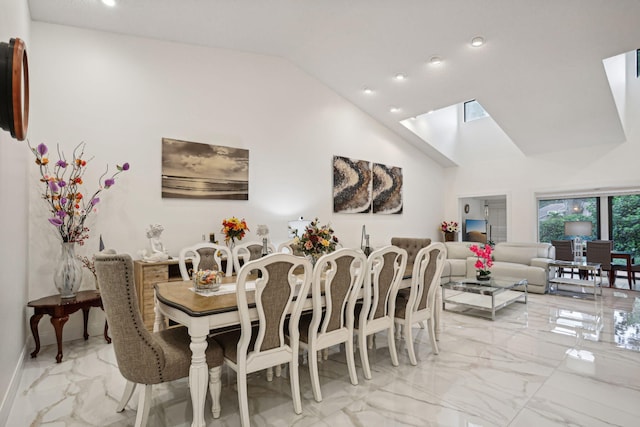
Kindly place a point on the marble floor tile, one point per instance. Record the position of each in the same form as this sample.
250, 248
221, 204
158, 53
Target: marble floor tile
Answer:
556, 361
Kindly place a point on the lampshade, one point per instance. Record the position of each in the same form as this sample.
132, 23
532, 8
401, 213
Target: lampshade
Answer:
578, 228
298, 225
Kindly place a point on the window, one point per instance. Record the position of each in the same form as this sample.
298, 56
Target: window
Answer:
552, 214
624, 223
474, 111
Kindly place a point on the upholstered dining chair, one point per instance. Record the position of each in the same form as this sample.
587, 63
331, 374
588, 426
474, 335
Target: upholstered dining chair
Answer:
205, 256
419, 304
599, 251
385, 269
248, 251
564, 251
412, 245
283, 277
145, 357
337, 278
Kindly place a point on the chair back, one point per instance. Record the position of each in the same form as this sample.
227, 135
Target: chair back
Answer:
139, 355
248, 251
338, 276
205, 256
412, 245
289, 247
281, 279
600, 251
385, 268
564, 249
425, 281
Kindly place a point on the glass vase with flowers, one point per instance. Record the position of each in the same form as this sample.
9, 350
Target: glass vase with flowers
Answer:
70, 207
316, 240
234, 229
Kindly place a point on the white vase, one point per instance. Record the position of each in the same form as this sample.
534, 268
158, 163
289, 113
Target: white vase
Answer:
68, 274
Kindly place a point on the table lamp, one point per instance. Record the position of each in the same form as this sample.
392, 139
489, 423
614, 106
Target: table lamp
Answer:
578, 229
297, 227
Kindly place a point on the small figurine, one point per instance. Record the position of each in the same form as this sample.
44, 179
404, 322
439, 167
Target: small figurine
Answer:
158, 251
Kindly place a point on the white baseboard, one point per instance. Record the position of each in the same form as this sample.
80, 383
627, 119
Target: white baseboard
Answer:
12, 390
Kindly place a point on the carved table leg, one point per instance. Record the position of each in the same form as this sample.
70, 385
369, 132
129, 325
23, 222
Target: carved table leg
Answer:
198, 378
35, 319
85, 318
58, 323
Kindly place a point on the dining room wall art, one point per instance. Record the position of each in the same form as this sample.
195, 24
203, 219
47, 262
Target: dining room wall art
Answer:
387, 189
352, 185
193, 170
360, 186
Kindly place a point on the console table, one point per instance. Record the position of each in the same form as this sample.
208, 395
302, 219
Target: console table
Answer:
585, 269
59, 309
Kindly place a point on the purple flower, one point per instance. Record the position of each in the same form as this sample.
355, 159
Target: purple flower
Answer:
61, 183
125, 167
61, 213
53, 187
42, 149
109, 182
56, 221
63, 201
95, 201
61, 163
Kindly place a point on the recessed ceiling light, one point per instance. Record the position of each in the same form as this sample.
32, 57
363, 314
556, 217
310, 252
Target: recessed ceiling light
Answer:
109, 3
394, 109
435, 60
400, 76
367, 90
477, 41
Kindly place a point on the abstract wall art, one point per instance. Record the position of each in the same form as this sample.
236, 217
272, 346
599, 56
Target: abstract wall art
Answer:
387, 189
352, 185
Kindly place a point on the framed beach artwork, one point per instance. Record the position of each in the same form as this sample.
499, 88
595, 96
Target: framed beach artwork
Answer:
387, 189
192, 170
351, 185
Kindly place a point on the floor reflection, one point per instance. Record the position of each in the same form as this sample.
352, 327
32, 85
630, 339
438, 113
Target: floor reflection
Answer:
627, 327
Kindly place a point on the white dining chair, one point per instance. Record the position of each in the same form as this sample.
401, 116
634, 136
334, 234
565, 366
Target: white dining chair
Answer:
205, 256
418, 303
248, 251
337, 278
385, 268
264, 345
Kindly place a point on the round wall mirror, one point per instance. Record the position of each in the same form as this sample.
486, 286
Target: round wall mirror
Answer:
14, 88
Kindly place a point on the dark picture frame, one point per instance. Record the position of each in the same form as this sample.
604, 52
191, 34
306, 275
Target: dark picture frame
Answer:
193, 170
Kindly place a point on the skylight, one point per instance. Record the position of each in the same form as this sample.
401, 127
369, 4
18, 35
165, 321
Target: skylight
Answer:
474, 111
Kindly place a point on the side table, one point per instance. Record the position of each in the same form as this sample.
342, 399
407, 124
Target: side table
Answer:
59, 309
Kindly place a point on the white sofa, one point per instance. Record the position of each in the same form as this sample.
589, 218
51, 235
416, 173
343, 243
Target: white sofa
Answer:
519, 260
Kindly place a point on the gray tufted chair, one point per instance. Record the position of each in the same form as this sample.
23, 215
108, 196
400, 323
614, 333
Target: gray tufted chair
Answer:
146, 357
412, 245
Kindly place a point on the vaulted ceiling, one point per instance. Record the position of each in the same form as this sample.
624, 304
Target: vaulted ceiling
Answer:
539, 75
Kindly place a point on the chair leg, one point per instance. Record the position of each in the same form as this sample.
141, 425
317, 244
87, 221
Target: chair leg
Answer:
370, 341
408, 338
313, 373
392, 346
278, 371
126, 396
295, 384
432, 334
325, 354
144, 402
421, 323
364, 357
351, 362
270, 373
215, 388
243, 399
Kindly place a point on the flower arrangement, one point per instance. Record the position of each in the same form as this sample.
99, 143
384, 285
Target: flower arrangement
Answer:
234, 228
62, 184
316, 240
449, 227
484, 261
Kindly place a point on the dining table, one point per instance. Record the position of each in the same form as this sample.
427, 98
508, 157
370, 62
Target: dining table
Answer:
202, 313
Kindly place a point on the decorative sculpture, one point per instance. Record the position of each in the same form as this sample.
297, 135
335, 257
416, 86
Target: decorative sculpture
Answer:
158, 252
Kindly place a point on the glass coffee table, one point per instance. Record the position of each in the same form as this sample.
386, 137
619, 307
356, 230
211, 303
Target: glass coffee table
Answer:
491, 295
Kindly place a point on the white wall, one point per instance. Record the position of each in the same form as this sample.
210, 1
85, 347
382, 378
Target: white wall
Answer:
123, 94
520, 178
14, 22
